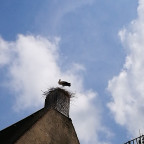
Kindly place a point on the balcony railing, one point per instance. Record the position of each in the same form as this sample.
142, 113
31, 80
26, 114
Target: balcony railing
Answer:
138, 140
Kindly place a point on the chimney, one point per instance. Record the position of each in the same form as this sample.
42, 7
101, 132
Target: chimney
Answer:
59, 99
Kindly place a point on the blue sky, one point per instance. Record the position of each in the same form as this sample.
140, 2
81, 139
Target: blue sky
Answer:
97, 45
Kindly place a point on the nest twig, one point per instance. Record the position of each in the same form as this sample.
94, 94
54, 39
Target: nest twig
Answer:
58, 90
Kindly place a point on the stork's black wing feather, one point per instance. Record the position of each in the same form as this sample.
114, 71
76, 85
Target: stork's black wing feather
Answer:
64, 83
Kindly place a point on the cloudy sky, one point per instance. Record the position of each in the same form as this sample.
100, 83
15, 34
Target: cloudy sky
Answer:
97, 45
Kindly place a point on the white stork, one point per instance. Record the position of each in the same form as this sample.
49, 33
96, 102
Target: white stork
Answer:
64, 83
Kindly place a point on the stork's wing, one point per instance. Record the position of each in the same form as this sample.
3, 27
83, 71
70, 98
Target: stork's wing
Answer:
64, 83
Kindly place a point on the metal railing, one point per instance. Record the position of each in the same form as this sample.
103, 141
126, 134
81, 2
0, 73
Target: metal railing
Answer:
138, 140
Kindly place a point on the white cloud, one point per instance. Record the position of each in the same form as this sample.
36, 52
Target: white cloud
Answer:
33, 65
5, 52
127, 89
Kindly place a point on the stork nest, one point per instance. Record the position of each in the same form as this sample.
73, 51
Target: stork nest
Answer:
57, 91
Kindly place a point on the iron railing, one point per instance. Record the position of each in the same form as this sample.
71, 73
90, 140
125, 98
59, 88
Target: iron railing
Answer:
138, 140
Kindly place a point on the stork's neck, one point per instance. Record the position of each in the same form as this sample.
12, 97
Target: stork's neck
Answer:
59, 81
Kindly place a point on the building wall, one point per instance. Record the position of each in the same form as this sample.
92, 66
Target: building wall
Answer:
52, 128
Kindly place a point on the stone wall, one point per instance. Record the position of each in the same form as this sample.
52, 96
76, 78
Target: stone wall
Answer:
52, 128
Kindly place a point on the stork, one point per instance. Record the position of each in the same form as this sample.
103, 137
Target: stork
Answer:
64, 83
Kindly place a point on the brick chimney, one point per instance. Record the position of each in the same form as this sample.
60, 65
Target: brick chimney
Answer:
59, 99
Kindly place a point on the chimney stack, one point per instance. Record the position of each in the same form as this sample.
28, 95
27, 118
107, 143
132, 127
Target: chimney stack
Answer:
59, 99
